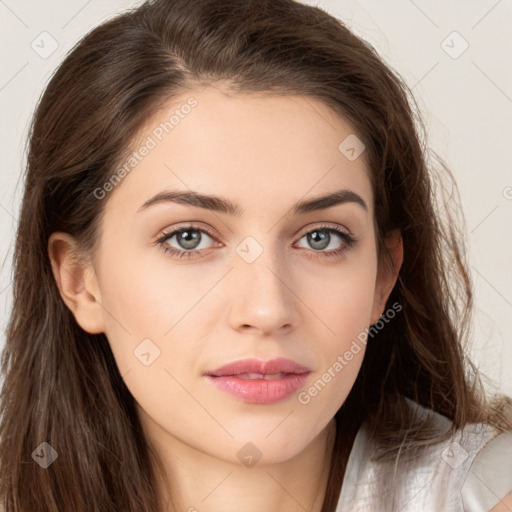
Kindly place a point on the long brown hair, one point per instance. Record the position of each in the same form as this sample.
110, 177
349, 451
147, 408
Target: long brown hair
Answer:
62, 384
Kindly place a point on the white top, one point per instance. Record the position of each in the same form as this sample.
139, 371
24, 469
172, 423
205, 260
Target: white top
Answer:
469, 472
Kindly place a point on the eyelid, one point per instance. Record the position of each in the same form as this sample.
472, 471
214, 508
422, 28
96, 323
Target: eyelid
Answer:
326, 225
165, 233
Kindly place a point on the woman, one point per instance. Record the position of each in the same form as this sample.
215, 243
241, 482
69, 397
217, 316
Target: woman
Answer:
232, 288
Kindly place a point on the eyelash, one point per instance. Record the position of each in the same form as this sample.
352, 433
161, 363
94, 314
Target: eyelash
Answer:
348, 240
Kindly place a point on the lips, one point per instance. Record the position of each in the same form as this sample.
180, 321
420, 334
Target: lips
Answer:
255, 366
260, 382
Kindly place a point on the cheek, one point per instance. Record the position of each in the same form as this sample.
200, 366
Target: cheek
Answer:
149, 292
144, 298
340, 352
342, 300
151, 335
344, 304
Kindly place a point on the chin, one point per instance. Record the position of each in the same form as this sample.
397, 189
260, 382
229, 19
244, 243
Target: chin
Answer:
268, 449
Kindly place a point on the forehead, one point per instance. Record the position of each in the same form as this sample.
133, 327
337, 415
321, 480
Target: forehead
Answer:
257, 149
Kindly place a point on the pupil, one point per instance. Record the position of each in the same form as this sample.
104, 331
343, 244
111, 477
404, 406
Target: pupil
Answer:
189, 238
321, 237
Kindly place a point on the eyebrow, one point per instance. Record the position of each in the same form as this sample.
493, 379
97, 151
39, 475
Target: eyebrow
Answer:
223, 205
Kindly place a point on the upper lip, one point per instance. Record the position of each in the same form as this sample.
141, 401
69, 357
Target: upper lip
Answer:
270, 367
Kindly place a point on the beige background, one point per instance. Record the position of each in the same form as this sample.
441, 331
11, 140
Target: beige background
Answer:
462, 82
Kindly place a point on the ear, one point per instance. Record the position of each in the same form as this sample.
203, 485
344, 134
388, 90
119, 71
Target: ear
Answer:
387, 274
77, 282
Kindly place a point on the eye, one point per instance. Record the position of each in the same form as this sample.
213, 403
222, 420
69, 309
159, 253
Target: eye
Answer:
188, 239
322, 237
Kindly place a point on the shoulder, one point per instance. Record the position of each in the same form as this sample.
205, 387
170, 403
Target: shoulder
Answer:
488, 483
470, 470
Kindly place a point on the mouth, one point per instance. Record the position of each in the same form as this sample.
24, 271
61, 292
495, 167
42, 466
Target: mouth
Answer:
260, 382
252, 376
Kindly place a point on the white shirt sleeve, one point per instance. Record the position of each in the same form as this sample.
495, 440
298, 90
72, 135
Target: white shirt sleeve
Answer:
489, 478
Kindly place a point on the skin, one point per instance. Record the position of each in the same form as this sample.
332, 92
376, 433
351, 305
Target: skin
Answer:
505, 505
265, 153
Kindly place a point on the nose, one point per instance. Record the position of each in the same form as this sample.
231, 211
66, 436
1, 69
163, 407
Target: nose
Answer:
262, 295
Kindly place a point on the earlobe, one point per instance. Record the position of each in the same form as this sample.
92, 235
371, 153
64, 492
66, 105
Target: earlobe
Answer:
387, 273
76, 281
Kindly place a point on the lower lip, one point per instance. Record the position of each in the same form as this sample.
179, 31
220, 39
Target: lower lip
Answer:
260, 391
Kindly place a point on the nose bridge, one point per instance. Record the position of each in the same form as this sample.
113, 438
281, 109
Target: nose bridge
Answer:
262, 292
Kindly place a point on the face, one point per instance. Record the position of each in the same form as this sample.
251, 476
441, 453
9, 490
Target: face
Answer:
187, 289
